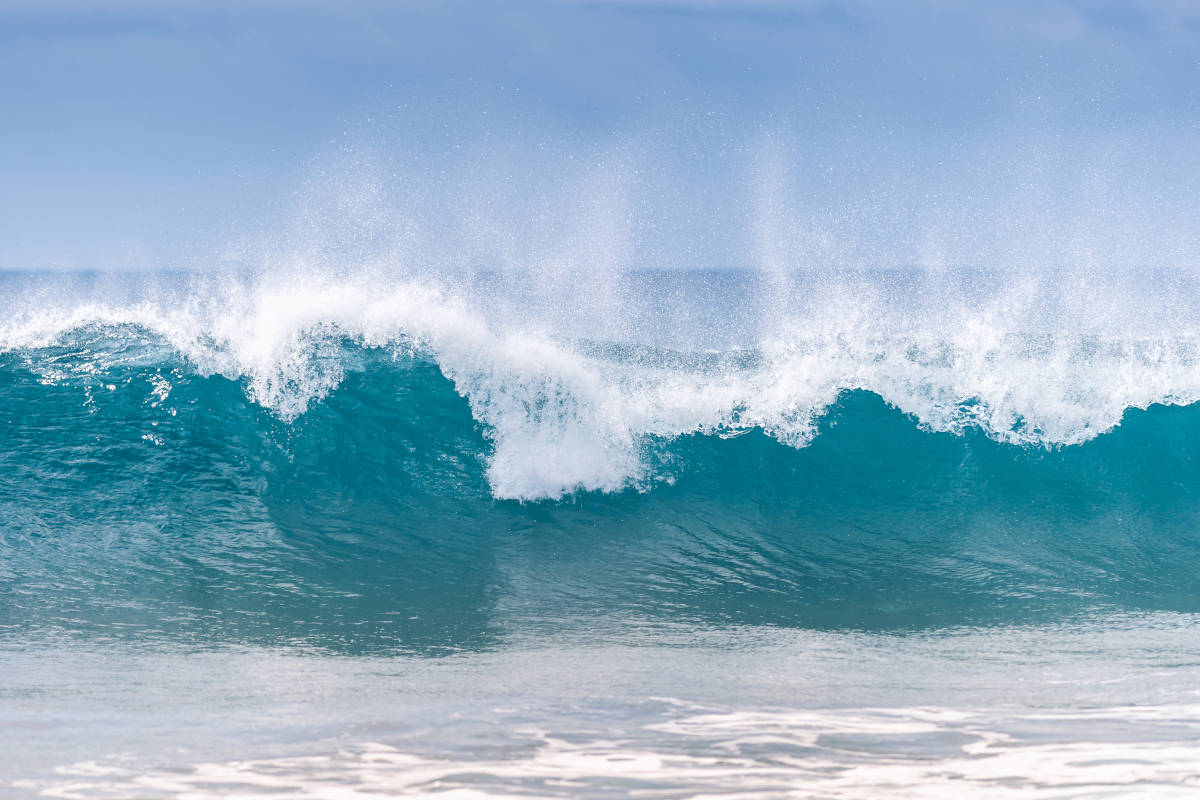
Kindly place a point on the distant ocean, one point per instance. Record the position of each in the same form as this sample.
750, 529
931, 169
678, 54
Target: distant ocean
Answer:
865, 533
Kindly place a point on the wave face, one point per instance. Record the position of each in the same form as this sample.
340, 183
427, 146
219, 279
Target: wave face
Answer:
412, 462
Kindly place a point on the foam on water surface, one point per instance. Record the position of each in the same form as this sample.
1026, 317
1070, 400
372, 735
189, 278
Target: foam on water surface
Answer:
1028, 361
756, 713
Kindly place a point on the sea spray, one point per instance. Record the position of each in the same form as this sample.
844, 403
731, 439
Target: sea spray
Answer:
564, 411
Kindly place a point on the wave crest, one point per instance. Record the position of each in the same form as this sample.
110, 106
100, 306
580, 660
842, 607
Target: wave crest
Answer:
565, 412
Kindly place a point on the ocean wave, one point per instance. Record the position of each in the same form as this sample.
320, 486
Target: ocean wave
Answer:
166, 500
564, 412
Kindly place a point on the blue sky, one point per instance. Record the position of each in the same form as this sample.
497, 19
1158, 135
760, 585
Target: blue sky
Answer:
648, 133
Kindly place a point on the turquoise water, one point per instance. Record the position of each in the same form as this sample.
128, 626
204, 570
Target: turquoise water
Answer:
729, 530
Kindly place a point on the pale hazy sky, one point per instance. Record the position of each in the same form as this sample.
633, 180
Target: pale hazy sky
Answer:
662, 133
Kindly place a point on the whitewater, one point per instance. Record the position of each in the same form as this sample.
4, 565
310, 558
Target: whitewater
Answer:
575, 386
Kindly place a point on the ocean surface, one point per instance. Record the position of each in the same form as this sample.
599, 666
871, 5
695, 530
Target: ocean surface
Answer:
745, 533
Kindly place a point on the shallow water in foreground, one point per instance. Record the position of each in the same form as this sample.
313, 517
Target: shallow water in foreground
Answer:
1095, 708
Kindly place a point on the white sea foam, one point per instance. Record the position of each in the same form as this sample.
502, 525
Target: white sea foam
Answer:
566, 411
843, 754
1104, 707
